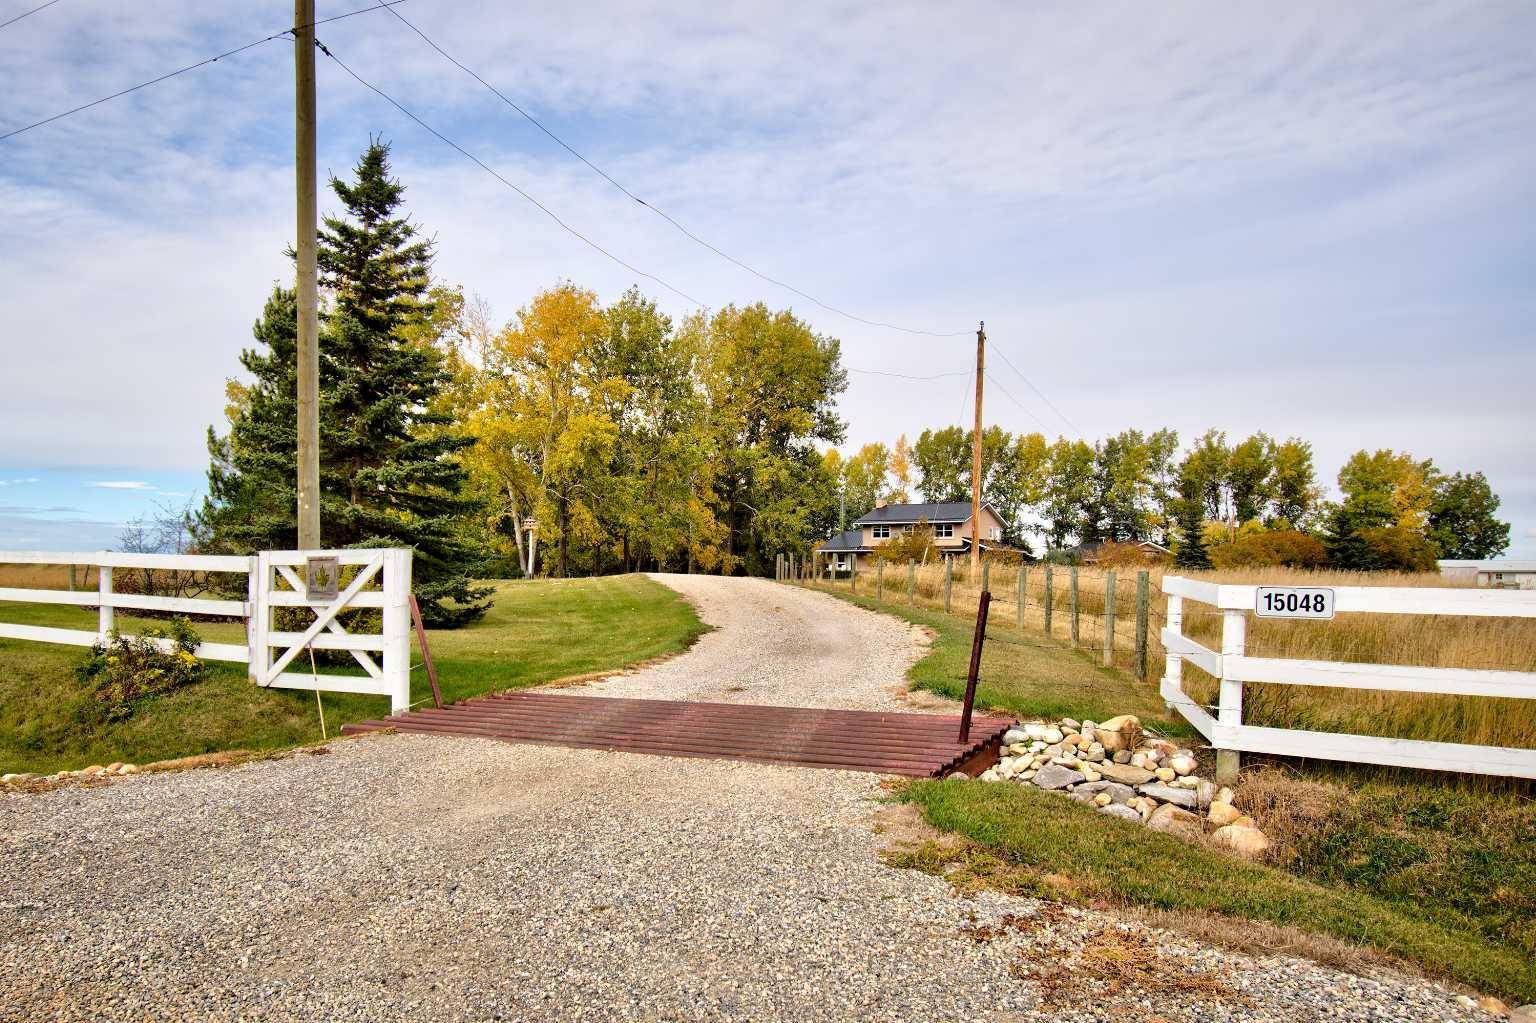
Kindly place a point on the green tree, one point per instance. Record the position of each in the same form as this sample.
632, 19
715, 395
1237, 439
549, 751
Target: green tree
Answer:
1380, 489
1206, 468
943, 458
772, 385
1295, 495
1250, 476
863, 482
1462, 521
1068, 503
390, 473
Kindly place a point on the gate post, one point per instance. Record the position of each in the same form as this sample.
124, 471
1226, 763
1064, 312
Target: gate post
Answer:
105, 620
1229, 708
397, 628
258, 584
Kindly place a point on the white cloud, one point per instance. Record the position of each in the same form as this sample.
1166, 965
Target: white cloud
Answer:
120, 485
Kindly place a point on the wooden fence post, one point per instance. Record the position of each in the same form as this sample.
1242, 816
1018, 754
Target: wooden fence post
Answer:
1050, 597
1023, 575
880, 580
1072, 587
853, 573
986, 577
1141, 624
949, 573
911, 583
1109, 619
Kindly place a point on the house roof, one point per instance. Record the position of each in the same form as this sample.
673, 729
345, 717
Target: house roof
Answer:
945, 511
851, 541
1093, 546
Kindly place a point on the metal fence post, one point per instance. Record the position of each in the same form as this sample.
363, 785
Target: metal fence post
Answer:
949, 572
1023, 575
397, 629
1109, 618
1050, 597
1072, 587
1229, 709
911, 583
1141, 624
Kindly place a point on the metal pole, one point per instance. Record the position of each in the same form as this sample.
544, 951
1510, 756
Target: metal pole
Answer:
977, 640
981, 362
307, 286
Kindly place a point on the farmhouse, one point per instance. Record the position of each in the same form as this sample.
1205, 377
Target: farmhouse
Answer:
952, 532
1495, 573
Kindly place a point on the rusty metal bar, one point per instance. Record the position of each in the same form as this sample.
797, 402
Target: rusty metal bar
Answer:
426, 652
970, 680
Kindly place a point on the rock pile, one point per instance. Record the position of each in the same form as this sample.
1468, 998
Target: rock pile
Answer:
113, 770
1117, 768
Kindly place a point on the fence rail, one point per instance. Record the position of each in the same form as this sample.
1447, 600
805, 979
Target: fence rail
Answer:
1234, 667
271, 582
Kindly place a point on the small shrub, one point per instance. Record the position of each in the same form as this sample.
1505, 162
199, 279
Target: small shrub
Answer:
126, 669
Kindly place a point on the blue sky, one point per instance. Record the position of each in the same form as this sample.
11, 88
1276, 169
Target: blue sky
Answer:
1313, 219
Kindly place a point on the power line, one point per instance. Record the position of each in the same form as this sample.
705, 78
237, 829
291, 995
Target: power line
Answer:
27, 14
1037, 391
1017, 402
657, 210
384, 5
487, 168
908, 376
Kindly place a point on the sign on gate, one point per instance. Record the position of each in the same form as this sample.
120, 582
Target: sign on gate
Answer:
322, 579
1293, 602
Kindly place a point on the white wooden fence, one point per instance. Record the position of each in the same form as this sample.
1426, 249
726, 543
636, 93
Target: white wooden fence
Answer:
1226, 731
273, 579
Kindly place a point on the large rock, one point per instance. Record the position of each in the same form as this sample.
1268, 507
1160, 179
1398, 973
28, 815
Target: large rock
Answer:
1168, 794
1125, 774
1121, 811
1118, 792
1223, 813
1171, 819
1054, 776
1244, 841
1523, 1014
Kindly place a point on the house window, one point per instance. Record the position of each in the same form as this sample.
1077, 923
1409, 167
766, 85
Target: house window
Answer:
907, 528
944, 530
880, 532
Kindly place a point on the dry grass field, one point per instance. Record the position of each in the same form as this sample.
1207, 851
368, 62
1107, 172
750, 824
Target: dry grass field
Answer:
1429, 640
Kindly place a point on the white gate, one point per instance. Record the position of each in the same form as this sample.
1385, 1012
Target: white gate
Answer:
274, 579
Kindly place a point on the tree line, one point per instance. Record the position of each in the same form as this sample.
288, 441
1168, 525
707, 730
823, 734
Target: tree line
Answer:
701, 444
1251, 501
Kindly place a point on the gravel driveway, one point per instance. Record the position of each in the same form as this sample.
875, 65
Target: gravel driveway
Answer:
411, 877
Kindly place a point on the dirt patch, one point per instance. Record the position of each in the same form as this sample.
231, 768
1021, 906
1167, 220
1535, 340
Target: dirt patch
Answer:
1118, 962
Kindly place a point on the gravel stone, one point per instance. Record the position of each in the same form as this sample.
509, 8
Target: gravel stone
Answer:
455, 879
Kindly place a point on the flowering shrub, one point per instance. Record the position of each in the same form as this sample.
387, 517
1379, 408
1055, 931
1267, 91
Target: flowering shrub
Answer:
127, 668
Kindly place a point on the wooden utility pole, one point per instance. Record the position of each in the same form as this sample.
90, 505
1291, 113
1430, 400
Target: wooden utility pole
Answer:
308, 285
981, 364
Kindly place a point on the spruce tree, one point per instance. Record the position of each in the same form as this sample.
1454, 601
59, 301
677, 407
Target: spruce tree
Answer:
1192, 552
388, 475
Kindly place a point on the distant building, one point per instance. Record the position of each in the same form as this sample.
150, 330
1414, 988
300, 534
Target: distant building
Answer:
952, 533
1151, 550
1495, 573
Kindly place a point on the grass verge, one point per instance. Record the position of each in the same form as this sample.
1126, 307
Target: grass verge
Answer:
537, 631
1022, 674
1033, 842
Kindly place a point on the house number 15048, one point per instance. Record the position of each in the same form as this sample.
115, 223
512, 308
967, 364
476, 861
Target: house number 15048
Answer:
1293, 602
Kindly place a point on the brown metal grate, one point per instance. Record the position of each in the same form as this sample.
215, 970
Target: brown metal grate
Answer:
915, 745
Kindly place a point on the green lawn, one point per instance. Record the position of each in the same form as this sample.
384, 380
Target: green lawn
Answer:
1043, 834
537, 631
1435, 869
